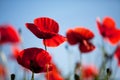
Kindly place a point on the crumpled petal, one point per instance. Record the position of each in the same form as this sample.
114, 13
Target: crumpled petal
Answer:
54, 41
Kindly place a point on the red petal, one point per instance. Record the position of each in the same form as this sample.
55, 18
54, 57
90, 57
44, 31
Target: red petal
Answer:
86, 47
54, 41
109, 22
114, 36
83, 33
8, 34
38, 33
54, 76
34, 59
71, 37
43, 59
47, 24
100, 27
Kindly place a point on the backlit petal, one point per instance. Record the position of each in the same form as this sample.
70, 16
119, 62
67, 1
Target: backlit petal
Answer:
54, 41
38, 33
108, 22
100, 27
83, 33
47, 24
114, 36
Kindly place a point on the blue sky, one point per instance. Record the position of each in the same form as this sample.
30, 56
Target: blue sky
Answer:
69, 14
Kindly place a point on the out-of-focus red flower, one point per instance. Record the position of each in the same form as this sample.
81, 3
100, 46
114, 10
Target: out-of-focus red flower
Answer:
47, 29
54, 74
3, 72
117, 54
108, 30
89, 71
81, 36
35, 59
8, 34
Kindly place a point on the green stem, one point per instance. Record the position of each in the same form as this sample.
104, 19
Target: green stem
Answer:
24, 74
45, 45
32, 78
80, 66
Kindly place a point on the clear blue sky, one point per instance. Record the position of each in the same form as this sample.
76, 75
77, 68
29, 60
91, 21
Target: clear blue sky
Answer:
69, 14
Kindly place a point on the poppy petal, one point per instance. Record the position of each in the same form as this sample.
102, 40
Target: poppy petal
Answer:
108, 22
8, 34
80, 33
47, 24
100, 27
54, 41
86, 47
37, 32
71, 37
114, 37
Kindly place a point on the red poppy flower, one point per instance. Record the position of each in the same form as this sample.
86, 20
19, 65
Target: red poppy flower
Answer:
47, 29
117, 54
82, 36
8, 34
108, 30
54, 74
89, 72
35, 59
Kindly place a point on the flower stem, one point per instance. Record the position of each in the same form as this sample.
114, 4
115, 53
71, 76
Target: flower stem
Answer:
45, 45
24, 74
32, 78
80, 66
